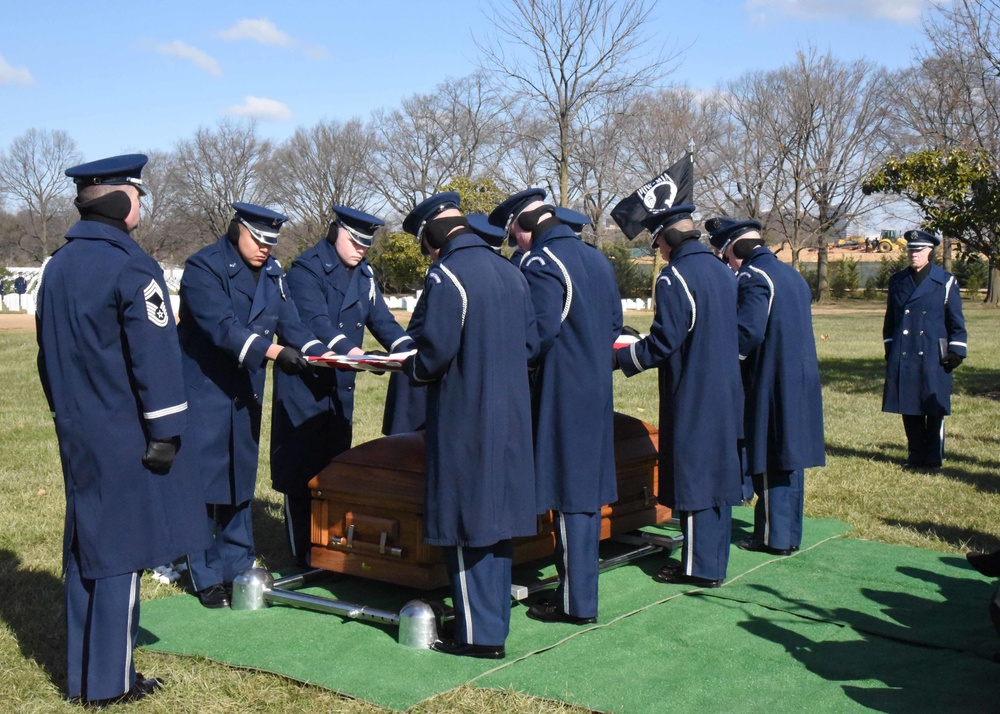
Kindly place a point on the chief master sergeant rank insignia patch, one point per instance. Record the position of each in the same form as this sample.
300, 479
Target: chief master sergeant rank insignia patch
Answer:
155, 310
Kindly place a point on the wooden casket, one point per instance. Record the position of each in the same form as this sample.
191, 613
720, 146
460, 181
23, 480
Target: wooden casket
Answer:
368, 507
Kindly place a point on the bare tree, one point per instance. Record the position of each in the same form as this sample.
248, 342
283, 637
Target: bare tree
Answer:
320, 167
31, 173
433, 138
218, 167
567, 54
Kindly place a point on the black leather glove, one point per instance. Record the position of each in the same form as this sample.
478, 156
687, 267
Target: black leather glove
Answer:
379, 353
951, 360
160, 454
291, 361
631, 332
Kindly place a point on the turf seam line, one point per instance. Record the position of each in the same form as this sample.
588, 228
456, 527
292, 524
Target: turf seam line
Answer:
611, 622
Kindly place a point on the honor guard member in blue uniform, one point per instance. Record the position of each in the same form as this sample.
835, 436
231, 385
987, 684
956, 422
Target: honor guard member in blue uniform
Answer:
579, 314
234, 301
694, 343
574, 219
312, 421
925, 339
783, 408
474, 345
111, 371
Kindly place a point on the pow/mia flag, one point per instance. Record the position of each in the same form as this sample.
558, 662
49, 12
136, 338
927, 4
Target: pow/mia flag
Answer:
156, 309
671, 188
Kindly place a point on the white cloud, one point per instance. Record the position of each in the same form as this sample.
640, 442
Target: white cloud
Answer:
193, 54
906, 11
263, 31
14, 75
261, 108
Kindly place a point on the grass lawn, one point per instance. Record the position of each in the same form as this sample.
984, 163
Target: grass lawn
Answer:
861, 484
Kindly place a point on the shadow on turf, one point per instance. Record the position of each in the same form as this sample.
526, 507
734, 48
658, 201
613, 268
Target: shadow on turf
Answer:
866, 375
32, 607
867, 659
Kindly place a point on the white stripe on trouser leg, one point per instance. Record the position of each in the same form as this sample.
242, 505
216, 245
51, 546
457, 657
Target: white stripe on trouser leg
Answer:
565, 584
128, 630
288, 527
941, 442
689, 540
464, 587
767, 512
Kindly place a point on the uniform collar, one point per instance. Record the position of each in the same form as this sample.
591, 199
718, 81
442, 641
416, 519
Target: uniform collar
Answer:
560, 230
761, 252
688, 247
463, 240
94, 230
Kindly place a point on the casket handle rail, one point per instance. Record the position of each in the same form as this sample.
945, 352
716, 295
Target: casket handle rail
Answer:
362, 547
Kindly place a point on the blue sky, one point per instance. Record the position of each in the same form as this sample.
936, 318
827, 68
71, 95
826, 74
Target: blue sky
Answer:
141, 76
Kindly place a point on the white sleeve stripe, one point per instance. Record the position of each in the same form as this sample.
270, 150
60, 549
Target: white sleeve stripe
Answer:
417, 378
167, 411
635, 360
770, 287
887, 339
461, 290
335, 340
246, 347
947, 289
694, 308
958, 344
309, 344
569, 283
404, 338
742, 357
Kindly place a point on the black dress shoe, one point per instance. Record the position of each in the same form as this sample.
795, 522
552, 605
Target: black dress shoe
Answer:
753, 546
986, 563
674, 576
462, 649
547, 611
141, 689
214, 597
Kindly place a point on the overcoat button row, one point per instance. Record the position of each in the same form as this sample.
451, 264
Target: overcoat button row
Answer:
340, 324
267, 332
906, 332
358, 325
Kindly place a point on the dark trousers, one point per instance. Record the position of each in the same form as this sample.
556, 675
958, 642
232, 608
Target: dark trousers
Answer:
778, 513
480, 590
577, 562
102, 622
707, 535
232, 550
924, 439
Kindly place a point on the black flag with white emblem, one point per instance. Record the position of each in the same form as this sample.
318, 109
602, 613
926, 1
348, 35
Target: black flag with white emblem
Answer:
674, 187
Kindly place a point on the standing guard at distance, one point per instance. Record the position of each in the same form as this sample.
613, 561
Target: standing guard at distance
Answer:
694, 343
474, 343
234, 301
111, 371
578, 312
312, 421
783, 413
925, 339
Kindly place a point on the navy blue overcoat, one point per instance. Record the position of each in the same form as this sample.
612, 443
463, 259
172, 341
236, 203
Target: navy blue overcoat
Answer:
227, 322
916, 318
111, 370
694, 343
405, 402
473, 349
784, 403
336, 304
579, 314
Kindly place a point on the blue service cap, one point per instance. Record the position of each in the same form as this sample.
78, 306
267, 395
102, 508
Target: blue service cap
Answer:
263, 223
504, 214
918, 240
359, 225
428, 208
115, 171
656, 222
481, 226
723, 231
574, 219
